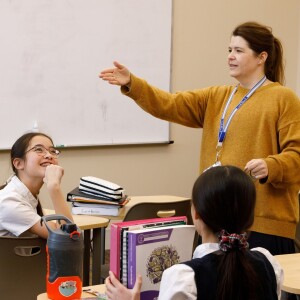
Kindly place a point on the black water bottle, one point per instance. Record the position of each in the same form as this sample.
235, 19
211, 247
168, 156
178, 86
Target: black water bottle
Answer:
64, 259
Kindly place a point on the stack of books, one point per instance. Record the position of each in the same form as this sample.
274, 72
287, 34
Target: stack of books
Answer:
148, 247
95, 196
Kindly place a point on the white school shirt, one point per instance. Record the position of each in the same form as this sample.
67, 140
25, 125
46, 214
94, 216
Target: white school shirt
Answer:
17, 208
178, 281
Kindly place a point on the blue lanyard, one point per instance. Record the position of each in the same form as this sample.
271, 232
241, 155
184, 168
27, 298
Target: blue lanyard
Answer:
223, 129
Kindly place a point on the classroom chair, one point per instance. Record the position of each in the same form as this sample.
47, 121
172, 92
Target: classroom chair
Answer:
22, 267
148, 210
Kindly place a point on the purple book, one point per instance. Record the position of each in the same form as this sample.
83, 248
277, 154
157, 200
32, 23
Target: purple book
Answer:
151, 251
116, 238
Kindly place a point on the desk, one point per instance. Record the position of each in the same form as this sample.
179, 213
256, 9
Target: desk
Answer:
97, 225
99, 288
291, 267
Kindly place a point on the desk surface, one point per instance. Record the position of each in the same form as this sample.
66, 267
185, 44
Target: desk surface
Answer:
88, 221
85, 222
291, 267
99, 288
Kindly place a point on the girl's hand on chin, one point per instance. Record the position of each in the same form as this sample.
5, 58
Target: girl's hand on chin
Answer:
53, 175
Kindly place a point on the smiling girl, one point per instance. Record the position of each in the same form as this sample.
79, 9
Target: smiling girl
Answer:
34, 160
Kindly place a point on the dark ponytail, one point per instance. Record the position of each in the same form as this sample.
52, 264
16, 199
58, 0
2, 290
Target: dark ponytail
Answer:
237, 279
224, 197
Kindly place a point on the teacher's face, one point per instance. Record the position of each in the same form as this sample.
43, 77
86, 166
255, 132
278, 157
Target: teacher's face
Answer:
243, 62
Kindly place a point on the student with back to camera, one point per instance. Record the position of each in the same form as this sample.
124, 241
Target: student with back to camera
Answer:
255, 125
223, 202
34, 160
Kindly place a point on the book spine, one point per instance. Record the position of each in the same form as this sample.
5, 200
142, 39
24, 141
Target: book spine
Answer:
113, 208
124, 257
131, 261
114, 258
93, 211
154, 220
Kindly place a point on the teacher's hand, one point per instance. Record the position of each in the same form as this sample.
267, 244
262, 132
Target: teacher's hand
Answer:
257, 168
119, 75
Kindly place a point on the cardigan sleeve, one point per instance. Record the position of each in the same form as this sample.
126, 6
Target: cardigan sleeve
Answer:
284, 167
186, 108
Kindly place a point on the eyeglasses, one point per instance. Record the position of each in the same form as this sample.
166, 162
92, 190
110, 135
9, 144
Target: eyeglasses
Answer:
41, 150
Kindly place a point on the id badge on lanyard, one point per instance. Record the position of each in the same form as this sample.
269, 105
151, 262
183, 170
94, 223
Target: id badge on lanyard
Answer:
216, 164
224, 127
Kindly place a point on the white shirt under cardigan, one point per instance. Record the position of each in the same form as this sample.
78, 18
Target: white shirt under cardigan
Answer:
178, 281
18, 208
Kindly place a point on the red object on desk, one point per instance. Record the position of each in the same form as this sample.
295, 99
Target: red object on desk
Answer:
64, 259
65, 288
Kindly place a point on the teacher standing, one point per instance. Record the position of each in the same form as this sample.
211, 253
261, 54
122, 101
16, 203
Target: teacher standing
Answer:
254, 125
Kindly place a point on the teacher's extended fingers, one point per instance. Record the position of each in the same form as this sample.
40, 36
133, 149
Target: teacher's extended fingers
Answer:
107, 74
110, 78
110, 72
114, 77
118, 65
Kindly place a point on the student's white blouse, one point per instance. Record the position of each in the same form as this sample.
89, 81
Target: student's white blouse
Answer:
17, 208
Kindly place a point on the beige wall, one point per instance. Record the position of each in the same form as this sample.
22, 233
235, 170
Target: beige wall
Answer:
201, 32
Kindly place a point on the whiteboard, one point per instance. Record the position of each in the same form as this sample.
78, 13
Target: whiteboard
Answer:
51, 54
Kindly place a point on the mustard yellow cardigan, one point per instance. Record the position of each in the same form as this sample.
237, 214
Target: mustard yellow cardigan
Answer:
267, 126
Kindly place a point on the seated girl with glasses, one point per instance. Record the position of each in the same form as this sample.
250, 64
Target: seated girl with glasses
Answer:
34, 161
223, 267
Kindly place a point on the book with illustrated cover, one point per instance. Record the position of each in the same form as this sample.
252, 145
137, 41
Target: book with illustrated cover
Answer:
152, 250
117, 243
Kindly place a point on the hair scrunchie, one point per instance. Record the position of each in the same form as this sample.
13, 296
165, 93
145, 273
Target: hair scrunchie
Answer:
232, 241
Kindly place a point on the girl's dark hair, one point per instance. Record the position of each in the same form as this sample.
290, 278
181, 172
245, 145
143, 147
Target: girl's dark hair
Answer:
260, 38
224, 197
18, 150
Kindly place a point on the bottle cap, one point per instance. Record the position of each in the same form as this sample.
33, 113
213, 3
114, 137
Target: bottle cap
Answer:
69, 228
